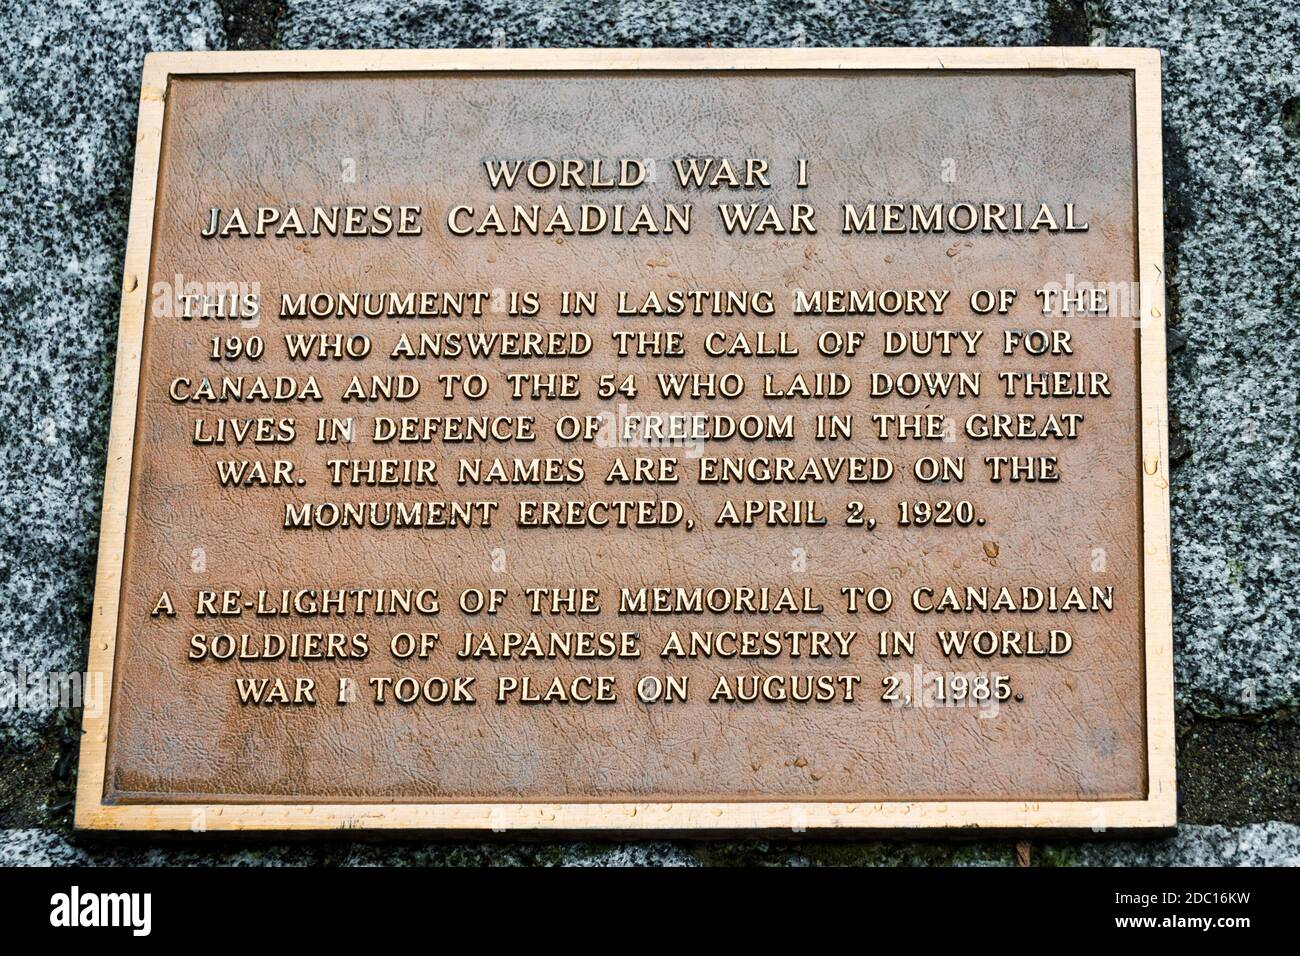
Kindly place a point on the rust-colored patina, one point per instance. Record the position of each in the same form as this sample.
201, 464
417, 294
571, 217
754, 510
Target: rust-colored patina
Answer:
178, 731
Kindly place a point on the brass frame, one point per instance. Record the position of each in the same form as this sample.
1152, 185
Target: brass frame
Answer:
1157, 811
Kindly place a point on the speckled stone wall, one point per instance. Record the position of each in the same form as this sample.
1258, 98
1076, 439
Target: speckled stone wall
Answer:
1232, 159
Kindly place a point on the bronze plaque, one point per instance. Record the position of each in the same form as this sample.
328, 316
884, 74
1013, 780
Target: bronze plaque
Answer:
639, 441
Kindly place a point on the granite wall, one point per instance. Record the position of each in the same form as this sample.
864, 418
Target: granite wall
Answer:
1232, 159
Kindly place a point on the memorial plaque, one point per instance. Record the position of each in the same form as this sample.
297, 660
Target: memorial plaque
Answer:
639, 440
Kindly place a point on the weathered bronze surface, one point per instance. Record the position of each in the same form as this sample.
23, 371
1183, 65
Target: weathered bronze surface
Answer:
1072, 726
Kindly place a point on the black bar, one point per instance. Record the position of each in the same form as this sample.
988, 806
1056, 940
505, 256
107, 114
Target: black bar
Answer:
985, 908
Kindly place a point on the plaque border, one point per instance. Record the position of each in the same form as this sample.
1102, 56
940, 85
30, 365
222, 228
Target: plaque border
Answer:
1157, 811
